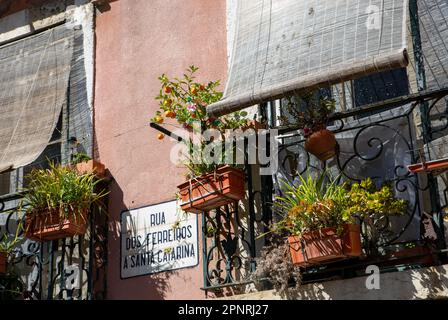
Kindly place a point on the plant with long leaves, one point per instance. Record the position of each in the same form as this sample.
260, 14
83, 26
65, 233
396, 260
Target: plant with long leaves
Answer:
61, 189
314, 204
8, 242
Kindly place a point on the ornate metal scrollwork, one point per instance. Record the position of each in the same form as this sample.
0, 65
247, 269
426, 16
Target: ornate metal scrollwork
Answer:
66, 269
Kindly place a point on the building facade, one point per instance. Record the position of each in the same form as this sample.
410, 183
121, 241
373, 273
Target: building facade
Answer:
94, 66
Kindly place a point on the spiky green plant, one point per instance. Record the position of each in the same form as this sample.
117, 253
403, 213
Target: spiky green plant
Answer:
8, 243
61, 189
314, 204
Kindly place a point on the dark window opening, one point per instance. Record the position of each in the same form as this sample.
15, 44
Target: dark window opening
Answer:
5, 183
379, 87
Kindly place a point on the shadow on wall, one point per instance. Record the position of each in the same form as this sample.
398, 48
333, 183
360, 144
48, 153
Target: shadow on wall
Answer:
103, 5
154, 286
428, 283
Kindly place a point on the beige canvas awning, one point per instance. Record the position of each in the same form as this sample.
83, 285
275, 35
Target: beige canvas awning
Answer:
286, 46
34, 75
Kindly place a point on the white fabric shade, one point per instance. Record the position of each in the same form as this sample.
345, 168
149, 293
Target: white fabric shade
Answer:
286, 46
34, 75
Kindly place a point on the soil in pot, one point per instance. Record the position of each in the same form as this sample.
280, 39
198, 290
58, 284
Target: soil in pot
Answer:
212, 190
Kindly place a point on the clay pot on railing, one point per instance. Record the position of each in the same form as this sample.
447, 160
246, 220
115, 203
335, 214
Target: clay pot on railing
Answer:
325, 245
322, 144
49, 225
212, 190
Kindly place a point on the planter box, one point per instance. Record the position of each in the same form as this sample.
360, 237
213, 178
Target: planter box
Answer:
325, 245
91, 166
212, 190
3, 262
48, 225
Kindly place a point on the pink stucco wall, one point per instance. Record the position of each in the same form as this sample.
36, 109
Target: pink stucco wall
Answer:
137, 40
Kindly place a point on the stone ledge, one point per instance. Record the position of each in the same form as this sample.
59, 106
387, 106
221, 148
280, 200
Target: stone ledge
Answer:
426, 283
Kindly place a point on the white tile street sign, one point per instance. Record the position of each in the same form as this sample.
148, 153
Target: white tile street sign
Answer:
158, 238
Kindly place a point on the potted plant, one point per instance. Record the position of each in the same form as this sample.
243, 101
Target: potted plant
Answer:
208, 185
319, 228
58, 201
373, 206
310, 113
6, 246
85, 164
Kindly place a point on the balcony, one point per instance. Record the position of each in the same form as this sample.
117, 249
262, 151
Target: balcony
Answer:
380, 146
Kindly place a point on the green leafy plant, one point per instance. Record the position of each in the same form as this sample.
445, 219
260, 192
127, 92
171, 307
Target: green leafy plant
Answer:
80, 157
61, 189
365, 199
7, 244
314, 204
374, 206
309, 112
324, 202
185, 100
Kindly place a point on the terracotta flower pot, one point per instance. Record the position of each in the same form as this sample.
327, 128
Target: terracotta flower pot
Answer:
91, 166
212, 190
3, 262
322, 144
48, 225
325, 245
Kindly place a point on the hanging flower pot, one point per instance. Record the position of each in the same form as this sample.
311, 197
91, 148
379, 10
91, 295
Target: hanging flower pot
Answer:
325, 245
3, 262
58, 201
322, 144
212, 190
47, 225
91, 166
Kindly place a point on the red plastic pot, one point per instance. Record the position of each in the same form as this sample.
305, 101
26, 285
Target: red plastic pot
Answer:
325, 245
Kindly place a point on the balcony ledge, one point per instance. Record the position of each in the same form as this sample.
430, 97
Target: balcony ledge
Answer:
425, 283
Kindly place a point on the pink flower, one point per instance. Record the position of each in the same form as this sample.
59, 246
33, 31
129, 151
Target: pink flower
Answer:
191, 107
